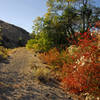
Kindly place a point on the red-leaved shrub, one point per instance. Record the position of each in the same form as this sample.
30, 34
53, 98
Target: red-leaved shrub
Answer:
79, 70
83, 76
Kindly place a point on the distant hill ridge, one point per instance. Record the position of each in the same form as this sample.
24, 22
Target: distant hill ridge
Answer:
12, 36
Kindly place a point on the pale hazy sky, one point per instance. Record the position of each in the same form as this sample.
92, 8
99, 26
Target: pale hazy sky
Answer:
23, 12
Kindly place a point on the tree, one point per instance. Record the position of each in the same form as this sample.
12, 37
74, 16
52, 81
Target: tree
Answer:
64, 18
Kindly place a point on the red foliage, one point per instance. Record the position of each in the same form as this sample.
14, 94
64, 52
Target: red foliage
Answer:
84, 78
97, 24
78, 75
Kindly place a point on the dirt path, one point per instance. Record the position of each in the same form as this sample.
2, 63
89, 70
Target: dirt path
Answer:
17, 80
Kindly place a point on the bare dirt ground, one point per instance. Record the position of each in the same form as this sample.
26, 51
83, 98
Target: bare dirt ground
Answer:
17, 79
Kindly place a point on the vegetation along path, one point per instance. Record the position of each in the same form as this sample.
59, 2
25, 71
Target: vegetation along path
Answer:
17, 79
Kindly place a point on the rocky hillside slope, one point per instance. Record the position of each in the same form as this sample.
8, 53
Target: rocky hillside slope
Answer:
12, 36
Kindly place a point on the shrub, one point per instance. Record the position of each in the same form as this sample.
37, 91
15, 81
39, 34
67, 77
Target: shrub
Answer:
0, 40
3, 53
51, 56
77, 66
83, 74
41, 43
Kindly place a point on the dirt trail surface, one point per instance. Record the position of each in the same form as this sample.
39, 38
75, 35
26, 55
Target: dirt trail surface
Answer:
17, 80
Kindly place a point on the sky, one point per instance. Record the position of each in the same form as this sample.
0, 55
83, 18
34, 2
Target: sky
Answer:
22, 12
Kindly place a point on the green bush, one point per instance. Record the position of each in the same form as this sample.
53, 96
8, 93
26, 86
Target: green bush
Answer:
0, 40
41, 43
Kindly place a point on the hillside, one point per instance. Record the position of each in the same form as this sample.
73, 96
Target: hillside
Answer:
12, 36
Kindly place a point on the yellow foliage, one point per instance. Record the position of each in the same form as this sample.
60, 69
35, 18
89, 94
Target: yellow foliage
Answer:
3, 53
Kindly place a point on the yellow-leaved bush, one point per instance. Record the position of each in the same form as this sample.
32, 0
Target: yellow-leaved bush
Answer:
3, 53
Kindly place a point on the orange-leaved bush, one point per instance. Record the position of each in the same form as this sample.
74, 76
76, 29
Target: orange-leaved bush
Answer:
51, 56
53, 59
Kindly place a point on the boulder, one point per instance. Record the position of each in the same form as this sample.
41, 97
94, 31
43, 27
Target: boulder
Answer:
12, 36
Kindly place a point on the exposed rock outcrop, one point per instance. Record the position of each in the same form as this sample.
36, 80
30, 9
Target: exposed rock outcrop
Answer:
12, 36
